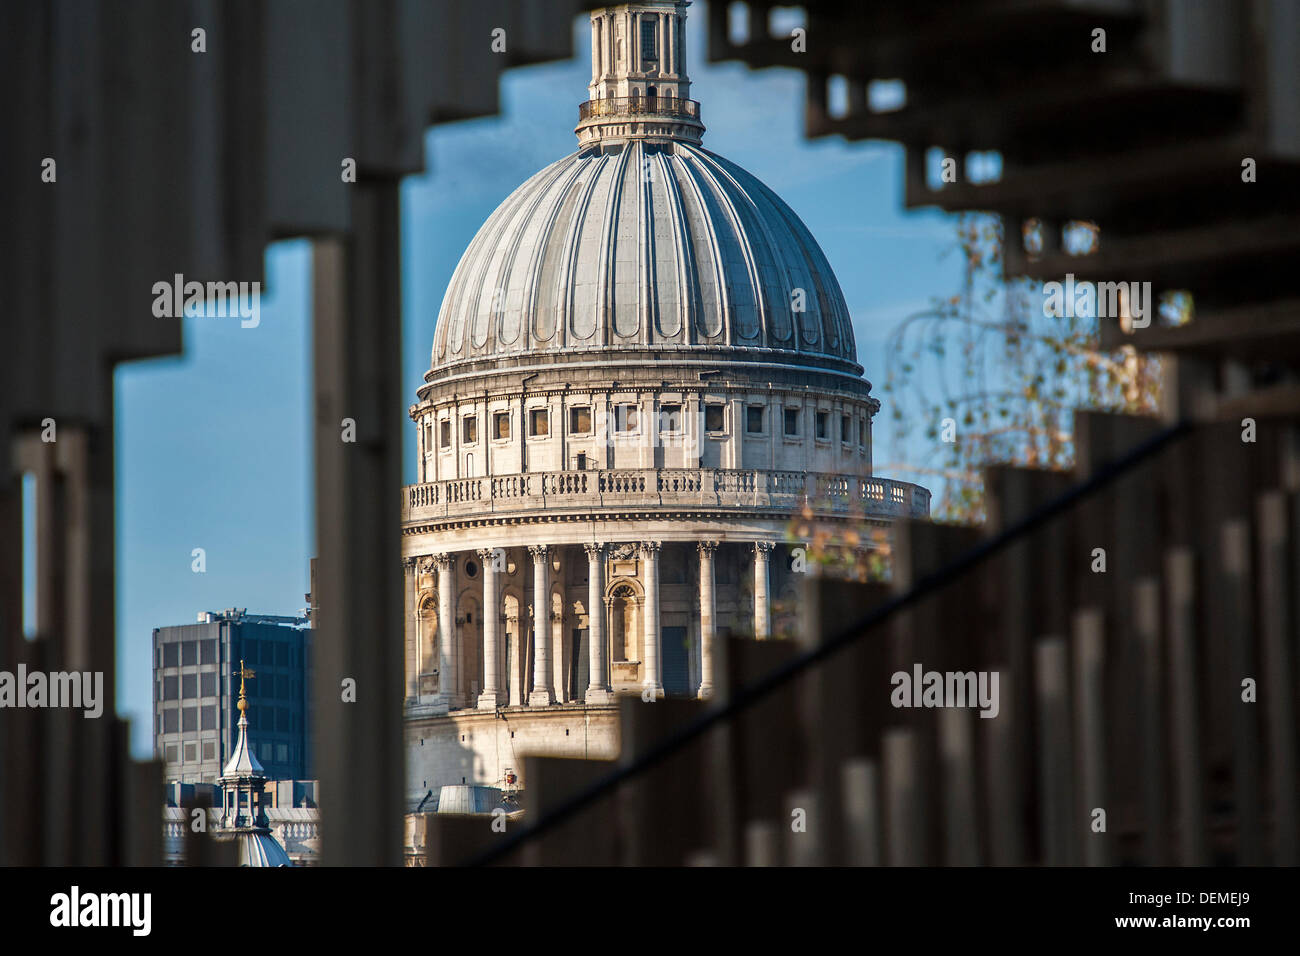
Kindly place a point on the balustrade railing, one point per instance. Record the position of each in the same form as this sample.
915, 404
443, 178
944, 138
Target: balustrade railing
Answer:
639, 105
720, 487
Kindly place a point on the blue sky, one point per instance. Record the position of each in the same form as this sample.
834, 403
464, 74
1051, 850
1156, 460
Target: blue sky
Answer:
214, 447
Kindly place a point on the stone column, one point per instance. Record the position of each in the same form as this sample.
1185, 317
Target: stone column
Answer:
448, 689
707, 616
559, 654
598, 691
490, 698
672, 45
411, 627
650, 644
762, 606
541, 695
661, 35
610, 62
515, 676
634, 44
679, 48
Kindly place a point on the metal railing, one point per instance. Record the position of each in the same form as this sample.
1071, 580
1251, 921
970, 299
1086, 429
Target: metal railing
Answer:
638, 106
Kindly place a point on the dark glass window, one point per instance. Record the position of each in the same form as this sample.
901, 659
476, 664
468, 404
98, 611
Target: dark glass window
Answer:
580, 420
191, 753
792, 421
208, 716
189, 719
754, 419
190, 653
171, 654
169, 688
469, 429
714, 418
538, 422
822, 422
209, 750
189, 685
625, 418
670, 418
171, 720
501, 425
208, 652
444, 433
649, 27
846, 429
208, 684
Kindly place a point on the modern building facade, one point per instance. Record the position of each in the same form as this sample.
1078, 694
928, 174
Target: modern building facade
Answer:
643, 367
196, 686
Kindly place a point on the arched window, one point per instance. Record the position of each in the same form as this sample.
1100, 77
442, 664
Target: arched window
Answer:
623, 636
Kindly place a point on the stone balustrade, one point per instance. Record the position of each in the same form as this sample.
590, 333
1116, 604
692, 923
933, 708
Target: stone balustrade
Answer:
741, 489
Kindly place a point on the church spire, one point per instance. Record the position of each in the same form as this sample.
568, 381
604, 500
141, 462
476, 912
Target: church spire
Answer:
243, 781
243, 775
639, 88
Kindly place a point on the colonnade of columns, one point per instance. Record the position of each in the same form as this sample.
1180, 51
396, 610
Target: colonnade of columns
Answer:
668, 37
598, 690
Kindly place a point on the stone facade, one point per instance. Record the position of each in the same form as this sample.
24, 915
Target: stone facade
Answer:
643, 369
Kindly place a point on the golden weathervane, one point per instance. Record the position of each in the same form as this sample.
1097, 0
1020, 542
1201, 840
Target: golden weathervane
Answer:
243, 673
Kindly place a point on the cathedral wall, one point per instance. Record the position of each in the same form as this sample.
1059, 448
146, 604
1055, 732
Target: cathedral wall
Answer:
478, 747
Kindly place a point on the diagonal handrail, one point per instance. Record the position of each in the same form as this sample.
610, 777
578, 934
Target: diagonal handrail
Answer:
750, 694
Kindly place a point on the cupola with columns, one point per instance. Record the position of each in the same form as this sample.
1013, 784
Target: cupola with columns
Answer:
243, 782
639, 87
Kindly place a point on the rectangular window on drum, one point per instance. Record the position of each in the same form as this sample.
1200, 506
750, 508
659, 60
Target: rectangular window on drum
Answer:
625, 418
792, 421
715, 418
539, 422
580, 420
649, 27
670, 418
